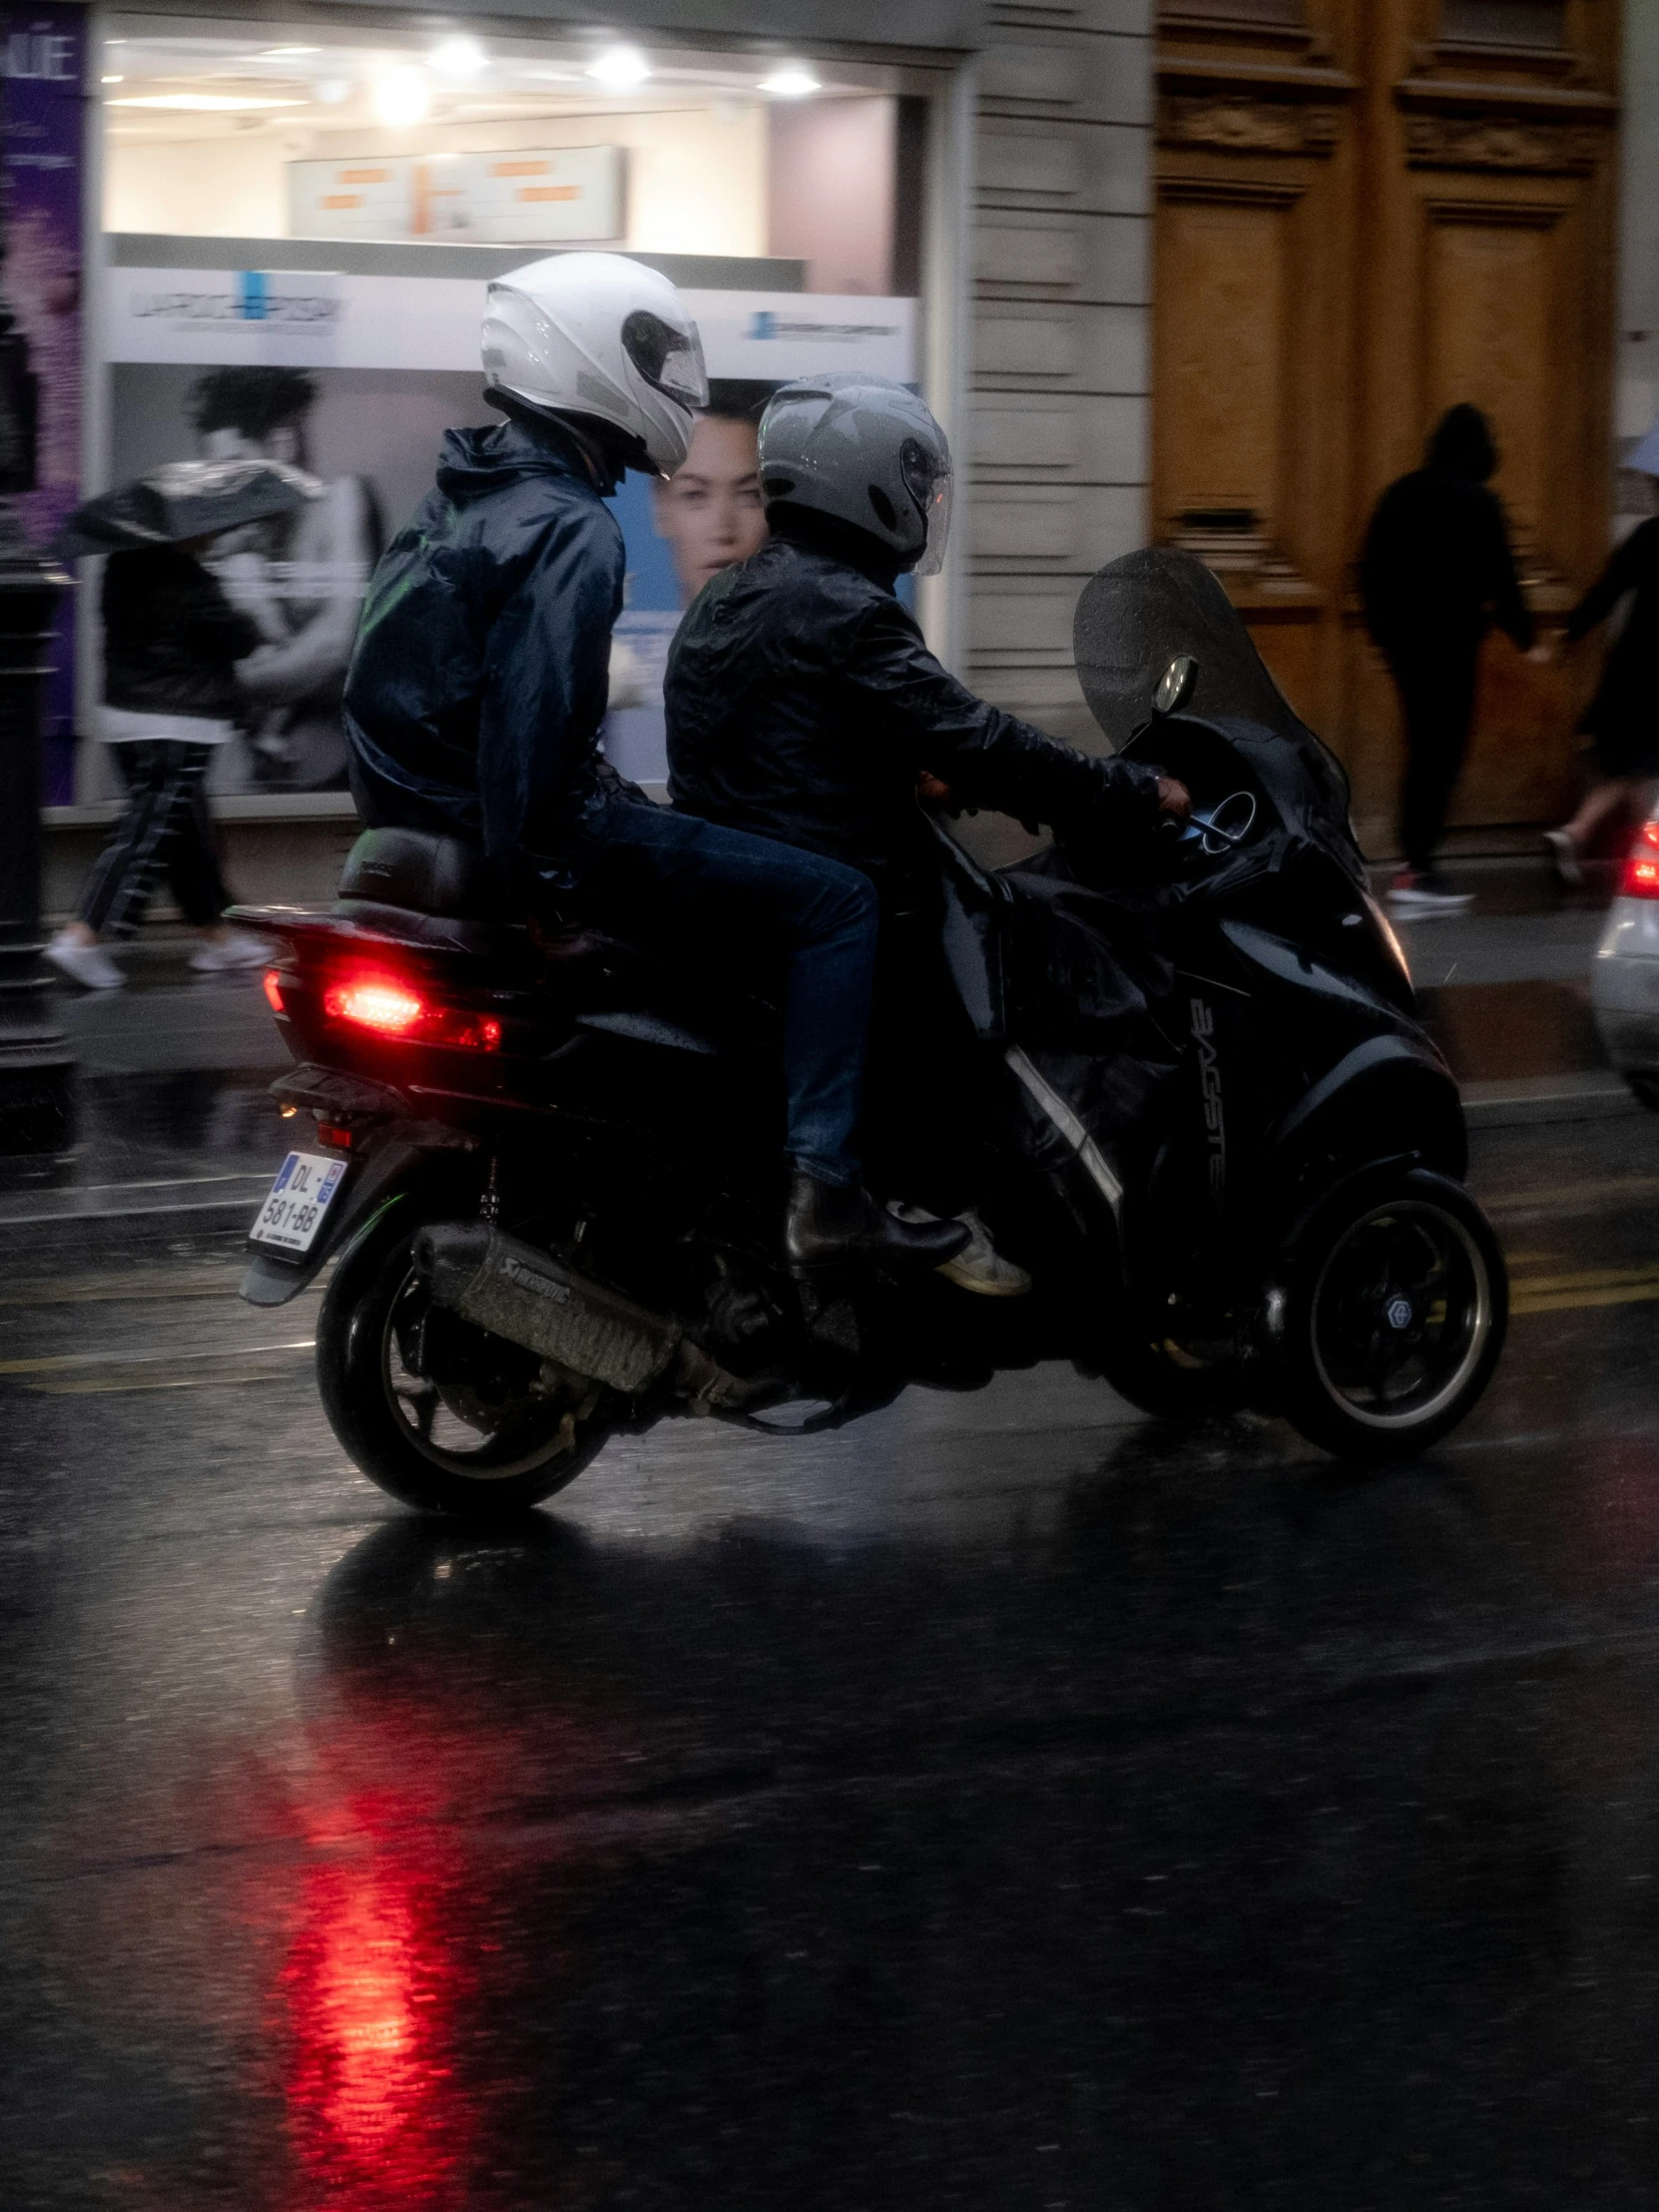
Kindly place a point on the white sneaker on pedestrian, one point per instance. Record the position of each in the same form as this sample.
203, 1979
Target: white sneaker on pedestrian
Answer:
237, 951
1422, 896
1563, 855
978, 1266
87, 964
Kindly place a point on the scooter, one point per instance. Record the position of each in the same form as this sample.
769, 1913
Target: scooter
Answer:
545, 1165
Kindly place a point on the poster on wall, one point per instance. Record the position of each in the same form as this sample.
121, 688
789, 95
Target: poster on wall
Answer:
371, 430
373, 435
42, 57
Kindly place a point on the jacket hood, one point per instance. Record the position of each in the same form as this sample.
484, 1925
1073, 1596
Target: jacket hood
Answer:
1462, 444
472, 463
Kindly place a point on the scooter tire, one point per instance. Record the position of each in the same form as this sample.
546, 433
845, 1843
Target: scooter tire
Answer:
353, 1379
1397, 1279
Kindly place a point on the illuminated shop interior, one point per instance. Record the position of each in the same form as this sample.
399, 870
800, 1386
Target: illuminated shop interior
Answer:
218, 130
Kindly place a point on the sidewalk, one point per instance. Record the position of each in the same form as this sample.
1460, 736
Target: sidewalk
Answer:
1505, 988
176, 1116
173, 1104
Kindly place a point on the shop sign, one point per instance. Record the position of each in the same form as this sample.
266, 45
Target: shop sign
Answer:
351, 321
532, 196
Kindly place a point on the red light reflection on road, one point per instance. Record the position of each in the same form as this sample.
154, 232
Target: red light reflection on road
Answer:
371, 1995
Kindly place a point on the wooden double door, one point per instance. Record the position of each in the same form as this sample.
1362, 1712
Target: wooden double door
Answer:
1367, 211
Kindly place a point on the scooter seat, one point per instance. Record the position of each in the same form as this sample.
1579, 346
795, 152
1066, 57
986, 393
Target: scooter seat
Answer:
420, 872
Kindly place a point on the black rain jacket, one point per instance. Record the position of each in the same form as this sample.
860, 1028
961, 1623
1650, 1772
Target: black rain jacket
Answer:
802, 702
480, 675
1437, 569
1623, 715
171, 637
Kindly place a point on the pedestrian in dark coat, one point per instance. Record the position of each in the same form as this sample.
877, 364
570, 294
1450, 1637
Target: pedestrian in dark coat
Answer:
1436, 572
1623, 717
172, 646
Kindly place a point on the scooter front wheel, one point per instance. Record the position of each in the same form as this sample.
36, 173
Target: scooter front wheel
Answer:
440, 1415
1393, 1304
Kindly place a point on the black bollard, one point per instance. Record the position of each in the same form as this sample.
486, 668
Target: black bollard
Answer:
36, 1066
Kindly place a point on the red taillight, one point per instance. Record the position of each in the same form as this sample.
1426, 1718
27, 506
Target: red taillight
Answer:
333, 1133
274, 991
393, 1009
384, 1006
1641, 867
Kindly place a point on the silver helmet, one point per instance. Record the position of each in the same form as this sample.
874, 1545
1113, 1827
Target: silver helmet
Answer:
867, 451
599, 336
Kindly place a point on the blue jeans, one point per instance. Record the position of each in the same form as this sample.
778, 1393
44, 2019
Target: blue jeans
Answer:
678, 880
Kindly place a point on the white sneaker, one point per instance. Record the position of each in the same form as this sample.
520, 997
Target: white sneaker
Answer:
978, 1266
237, 951
87, 964
1564, 855
1424, 896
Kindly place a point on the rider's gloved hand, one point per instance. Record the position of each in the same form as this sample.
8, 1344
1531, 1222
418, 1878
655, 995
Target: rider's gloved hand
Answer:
1175, 801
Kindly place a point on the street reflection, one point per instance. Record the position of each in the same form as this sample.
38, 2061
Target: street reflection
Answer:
371, 1988
395, 1995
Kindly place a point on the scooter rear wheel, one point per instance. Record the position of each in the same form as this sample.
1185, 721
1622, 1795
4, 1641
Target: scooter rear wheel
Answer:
1393, 1300
452, 1420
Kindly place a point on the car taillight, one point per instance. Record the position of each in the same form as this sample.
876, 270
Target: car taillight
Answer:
274, 989
395, 1009
1641, 867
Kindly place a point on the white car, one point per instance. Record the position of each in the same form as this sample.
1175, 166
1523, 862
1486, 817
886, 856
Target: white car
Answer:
1624, 976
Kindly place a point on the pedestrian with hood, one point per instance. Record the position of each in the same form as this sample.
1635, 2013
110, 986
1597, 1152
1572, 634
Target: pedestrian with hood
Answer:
1436, 572
174, 651
479, 682
1622, 719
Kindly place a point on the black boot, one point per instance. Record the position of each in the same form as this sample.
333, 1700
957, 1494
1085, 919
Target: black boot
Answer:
830, 1223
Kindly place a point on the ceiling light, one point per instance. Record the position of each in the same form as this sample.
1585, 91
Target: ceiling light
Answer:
401, 95
202, 102
458, 57
618, 68
331, 90
284, 53
112, 79
792, 82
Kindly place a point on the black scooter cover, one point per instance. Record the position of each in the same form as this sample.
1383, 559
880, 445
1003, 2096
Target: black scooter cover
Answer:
1115, 1054
1135, 616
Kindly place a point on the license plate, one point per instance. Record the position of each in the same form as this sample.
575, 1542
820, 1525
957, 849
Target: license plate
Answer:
306, 1185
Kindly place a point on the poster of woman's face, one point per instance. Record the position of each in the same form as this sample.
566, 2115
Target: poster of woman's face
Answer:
679, 534
710, 511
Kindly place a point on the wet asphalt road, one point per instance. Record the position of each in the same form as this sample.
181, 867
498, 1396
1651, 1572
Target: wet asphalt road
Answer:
1007, 1803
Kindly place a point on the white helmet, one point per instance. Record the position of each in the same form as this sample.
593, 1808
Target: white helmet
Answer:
601, 335
867, 450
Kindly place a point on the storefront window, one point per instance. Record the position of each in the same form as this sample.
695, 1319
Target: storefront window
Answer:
221, 133
299, 229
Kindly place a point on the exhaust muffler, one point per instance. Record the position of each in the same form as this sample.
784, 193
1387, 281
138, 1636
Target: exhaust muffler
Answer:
514, 1291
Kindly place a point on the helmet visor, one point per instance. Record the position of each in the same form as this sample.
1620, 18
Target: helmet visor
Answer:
929, 480
669, 359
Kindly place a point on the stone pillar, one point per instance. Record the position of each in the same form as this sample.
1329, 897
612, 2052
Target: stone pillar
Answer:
1059, 377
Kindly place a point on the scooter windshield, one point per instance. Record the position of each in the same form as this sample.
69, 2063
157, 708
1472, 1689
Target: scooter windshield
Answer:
1138, 613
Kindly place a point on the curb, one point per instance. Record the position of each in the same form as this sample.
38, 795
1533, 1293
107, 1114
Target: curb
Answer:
1531, 1101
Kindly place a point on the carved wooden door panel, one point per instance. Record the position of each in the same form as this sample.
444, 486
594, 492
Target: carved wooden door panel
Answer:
1369, 210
